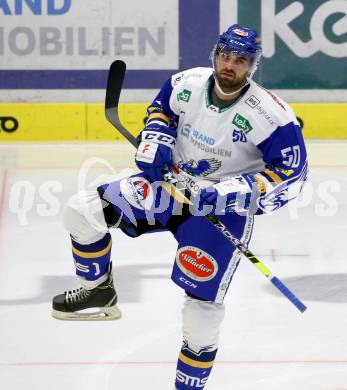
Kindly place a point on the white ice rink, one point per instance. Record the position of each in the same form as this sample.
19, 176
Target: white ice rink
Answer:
266, 343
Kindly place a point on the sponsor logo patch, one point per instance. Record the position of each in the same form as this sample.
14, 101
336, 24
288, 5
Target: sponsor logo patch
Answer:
185, 131
196, 264
177, 79
261, 111
188, 282
236, 42
202, 137
138, 192
252, 101
191, 381
184, 96
194, 186
146, 152
141, 188
196, 75
242, 123
242, 33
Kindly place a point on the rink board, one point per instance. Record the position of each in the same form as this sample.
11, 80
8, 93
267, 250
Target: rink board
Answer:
86, 121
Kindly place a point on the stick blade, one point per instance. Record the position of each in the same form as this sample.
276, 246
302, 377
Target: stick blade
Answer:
115, 80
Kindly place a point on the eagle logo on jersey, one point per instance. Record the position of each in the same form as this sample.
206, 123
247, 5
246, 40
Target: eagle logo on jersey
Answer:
201, 167
274, 199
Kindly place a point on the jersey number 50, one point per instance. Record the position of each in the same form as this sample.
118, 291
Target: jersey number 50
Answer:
291, 156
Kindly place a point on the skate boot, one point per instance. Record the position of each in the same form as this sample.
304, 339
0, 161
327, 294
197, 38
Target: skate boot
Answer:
98, 304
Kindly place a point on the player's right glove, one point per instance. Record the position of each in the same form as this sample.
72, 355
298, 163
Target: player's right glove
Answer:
154, 154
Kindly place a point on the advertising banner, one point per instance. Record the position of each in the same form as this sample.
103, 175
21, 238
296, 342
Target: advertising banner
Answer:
305, 42
85, 34
69, 44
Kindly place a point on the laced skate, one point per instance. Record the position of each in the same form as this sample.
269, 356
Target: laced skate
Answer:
98, 304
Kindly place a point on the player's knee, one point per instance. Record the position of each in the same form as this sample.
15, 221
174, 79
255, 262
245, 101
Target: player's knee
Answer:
83, 217
201, 322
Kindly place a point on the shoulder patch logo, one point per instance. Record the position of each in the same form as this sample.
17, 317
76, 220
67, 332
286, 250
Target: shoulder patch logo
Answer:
177, 79
184, 95
252, 101
242, 123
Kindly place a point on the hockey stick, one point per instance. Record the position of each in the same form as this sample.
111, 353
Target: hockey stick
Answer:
114, 86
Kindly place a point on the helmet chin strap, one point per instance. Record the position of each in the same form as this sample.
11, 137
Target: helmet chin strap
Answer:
229, 94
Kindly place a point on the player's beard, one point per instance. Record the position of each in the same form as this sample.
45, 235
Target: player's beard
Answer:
229, 85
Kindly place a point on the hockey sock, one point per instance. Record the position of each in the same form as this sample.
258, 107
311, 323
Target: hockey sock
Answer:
92, 261
193, 369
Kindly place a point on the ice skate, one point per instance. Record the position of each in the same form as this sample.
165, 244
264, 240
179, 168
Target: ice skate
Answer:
98, 304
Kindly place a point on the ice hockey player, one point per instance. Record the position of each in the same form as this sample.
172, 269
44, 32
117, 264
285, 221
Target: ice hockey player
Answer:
237, 147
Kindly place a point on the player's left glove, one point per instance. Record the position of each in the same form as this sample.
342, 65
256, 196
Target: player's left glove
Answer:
229, 196
154, 154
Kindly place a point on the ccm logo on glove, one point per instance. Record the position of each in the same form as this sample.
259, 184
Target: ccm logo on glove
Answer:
154, 154
158, 138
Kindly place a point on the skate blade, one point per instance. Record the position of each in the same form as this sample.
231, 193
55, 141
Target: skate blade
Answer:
111, 313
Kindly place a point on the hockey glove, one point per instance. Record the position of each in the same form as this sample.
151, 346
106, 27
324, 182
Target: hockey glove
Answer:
155, 150
230, 196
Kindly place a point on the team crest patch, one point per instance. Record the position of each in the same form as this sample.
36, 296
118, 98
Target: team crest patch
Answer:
196, 263
201, 167
138, 192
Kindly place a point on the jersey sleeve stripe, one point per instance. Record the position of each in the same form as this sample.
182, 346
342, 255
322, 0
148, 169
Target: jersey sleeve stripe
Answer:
164, 117
302, 175
261, 185
156, 121
273, 176
299, 178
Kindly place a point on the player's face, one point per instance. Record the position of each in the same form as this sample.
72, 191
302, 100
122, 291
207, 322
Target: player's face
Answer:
232, 70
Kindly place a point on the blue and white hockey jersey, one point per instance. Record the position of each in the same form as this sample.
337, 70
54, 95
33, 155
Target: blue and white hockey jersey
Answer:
258, 134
